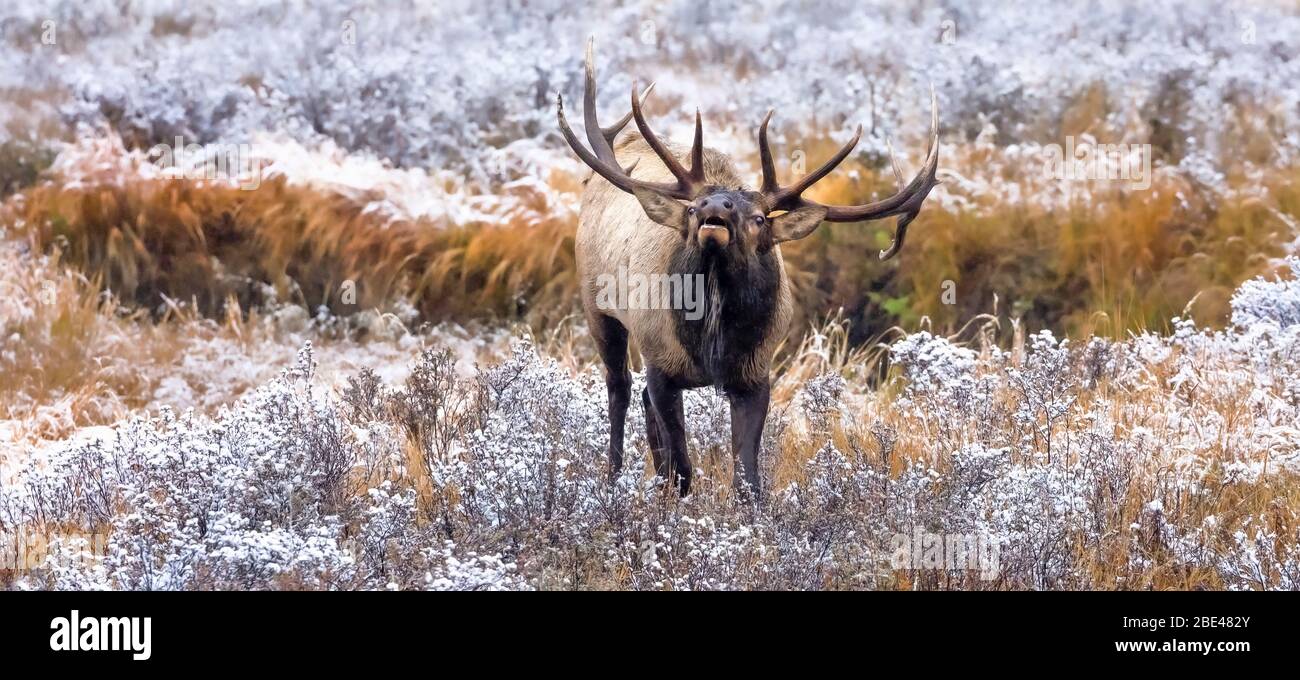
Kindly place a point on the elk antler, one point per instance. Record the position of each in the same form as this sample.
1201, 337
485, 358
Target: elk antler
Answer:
906, 203
600, 157
611, 133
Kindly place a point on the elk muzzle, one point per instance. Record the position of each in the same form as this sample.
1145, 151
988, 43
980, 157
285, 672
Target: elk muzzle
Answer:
716, 215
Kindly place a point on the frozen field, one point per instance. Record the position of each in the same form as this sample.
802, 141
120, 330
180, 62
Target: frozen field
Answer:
357, 360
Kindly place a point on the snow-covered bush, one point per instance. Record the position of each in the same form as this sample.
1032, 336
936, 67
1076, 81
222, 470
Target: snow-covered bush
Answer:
253, 497
934, 366
457, 83
1152, 462
1269, 301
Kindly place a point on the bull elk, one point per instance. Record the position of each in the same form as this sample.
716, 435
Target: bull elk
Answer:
645, 213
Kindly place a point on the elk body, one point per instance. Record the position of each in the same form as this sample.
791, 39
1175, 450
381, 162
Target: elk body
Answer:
644, 214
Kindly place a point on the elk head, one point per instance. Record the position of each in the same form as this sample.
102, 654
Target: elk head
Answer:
721, 219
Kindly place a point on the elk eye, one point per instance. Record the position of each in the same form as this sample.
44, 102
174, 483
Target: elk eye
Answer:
690, 210
760, 220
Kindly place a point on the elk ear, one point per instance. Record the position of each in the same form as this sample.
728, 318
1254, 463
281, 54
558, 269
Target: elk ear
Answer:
666, 211
797, 223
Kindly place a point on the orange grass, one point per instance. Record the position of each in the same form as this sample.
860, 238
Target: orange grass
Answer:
187, 241
1137, 257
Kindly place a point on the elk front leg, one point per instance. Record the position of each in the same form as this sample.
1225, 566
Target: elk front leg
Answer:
748, 413
654, 434
666, 402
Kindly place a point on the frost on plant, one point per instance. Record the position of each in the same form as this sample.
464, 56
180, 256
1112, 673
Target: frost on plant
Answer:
1262, 301
1102, 464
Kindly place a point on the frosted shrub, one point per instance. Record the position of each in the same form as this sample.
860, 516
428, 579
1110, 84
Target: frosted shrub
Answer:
821, 523
819, 399
1263, 301
457, 83
1044, 387
534, 465
470, 571
499, 480
240, 502
707, 553
933, 366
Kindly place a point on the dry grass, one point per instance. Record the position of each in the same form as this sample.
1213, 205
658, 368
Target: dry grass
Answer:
206, 243
55, 328
1109, 261
74, 357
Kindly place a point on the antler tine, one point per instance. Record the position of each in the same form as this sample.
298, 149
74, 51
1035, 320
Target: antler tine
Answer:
910, 197
595, 135
600, 157
684, 179
770, 185
697, 152
616, 175
792, 194
583, 152
893, 161
611, 132
900, 231
906, 202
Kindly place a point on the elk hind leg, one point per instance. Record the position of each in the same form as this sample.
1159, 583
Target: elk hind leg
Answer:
611, 343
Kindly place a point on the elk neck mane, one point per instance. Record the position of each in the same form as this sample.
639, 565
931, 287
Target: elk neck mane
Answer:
740, 300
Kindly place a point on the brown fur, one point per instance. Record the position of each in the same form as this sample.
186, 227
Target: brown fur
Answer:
614, 231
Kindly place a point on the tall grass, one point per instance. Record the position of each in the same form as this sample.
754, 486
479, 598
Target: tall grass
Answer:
1118, 261
1115, 261
150, 241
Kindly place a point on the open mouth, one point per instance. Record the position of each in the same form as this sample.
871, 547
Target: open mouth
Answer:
714, 232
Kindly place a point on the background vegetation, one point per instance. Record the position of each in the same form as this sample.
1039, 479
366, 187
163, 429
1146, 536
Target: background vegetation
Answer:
369, 371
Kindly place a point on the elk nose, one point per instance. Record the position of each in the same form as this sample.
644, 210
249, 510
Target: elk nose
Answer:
711, 204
